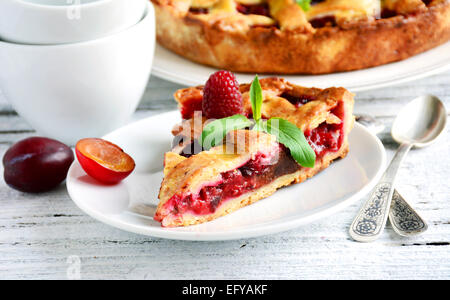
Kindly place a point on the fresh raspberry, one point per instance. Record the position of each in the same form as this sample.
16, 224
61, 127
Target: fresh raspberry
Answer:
221, 96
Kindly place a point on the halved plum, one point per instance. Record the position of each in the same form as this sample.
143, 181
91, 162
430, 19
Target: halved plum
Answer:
103, 160
36, 164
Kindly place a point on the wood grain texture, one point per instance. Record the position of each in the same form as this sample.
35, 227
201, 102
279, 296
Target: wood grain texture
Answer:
38, 233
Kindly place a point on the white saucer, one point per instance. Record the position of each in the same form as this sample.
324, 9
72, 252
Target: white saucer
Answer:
172, 67
131, 204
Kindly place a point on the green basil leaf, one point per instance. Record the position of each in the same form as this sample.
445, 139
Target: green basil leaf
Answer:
293, 138
256, 98
304, 4
213, 133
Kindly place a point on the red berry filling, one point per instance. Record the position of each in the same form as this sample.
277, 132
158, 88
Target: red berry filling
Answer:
254, 9
387, 13
325, 138
298, 100
325, 21
198, 10
188, 108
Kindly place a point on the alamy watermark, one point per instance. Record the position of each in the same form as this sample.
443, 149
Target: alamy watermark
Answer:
73, 271
73, 9
189, 136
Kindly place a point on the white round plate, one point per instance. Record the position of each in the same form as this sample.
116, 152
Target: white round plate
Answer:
131, 204
172, 67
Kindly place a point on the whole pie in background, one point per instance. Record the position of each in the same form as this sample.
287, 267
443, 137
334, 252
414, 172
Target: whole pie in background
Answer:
279, 36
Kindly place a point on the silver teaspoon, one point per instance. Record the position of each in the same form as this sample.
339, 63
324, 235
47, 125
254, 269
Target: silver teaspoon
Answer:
404, 219
418, 124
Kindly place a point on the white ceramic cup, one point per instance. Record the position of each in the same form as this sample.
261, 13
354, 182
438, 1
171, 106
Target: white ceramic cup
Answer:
69, 92
47, 22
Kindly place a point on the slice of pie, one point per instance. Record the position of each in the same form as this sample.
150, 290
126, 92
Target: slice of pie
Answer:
201, 186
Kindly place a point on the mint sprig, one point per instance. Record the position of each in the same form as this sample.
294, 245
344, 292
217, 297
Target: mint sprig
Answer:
214, 133
304, 4
256, 98
293, 138
286, 132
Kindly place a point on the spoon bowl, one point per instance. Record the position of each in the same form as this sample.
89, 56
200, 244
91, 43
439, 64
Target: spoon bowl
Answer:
420, 122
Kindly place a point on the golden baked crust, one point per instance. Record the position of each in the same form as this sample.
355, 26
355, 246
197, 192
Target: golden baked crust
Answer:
186, 176
254, 45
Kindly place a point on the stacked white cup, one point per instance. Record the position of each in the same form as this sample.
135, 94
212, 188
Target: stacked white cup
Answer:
75, 68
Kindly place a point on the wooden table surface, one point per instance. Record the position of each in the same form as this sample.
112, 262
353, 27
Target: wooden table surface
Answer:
44, 236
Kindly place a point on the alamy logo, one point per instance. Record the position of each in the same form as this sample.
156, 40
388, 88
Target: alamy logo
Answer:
74, 9
74, 269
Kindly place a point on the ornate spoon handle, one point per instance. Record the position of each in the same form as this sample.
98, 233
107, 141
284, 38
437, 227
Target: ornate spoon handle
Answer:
404, 219
372, 217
